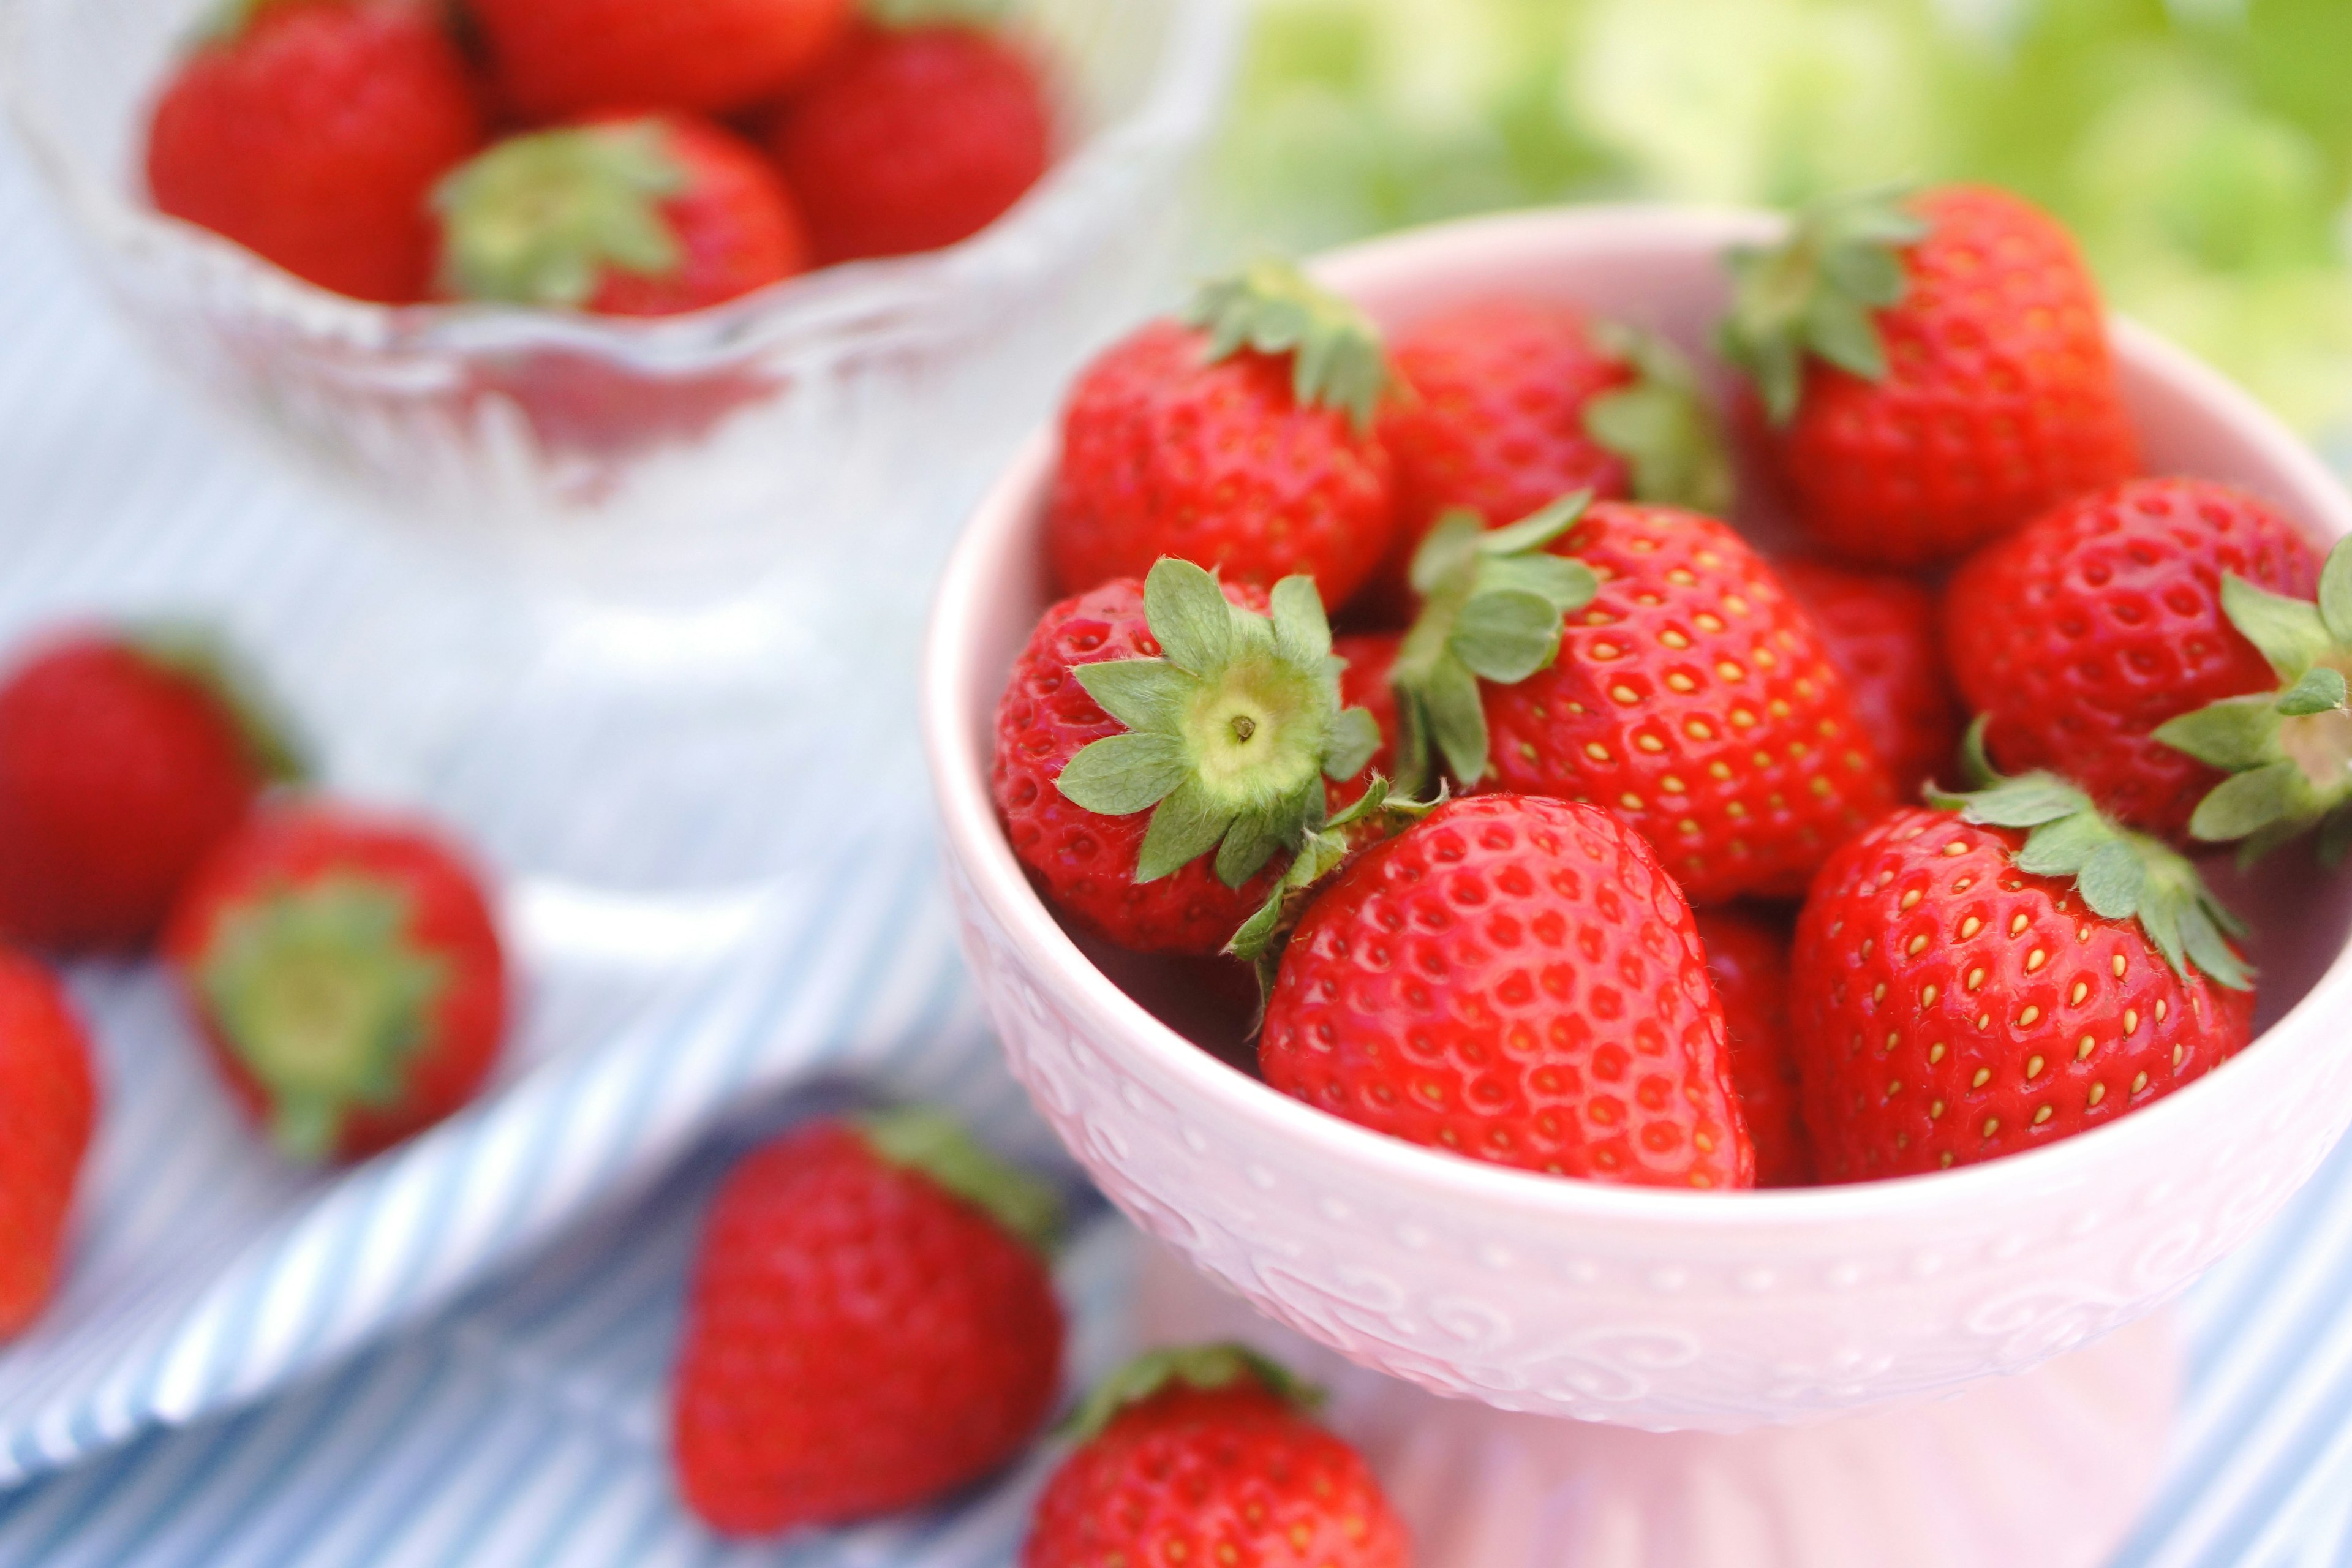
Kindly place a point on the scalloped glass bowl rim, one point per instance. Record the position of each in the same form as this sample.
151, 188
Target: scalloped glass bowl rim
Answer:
856, 306
977, 843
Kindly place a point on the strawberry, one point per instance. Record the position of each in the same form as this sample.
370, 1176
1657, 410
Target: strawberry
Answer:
345, 971
1364, 683
2000, 972
1506, 404
870, 1325
1880, 632
1240, 442
1149, 723
911, 139
124, 757
1516, 980
559, 57
48, 1105
1688, 694
1747, 961
622, 215
310, 132
1935, 371
2082, 633
1204, 1456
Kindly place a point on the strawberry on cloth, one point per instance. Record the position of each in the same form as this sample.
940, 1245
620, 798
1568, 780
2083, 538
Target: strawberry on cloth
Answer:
48, 1107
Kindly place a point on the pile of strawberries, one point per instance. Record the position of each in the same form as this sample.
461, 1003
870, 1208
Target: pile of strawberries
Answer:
343, 965
1582, 847
630, 157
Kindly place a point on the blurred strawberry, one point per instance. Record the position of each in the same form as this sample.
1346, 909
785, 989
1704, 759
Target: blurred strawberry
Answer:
311, 131
1936, 370
621, 214
346, 972
559, 57
48, 1105
912, 139
1371, 656
1747, 961
124, 757
1879, 630
871, 1325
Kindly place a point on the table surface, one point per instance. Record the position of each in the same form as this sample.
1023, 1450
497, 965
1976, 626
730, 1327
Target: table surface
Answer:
523, 1425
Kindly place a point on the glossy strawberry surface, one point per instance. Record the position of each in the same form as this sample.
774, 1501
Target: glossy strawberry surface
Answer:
1694, 699
1999, 396
1516, 980
858, 1340
558, 58
1085, 861
1228, 1475
48, 1109
1165, 453
1880, 630
1950, 1008
1748, 960
2082, 632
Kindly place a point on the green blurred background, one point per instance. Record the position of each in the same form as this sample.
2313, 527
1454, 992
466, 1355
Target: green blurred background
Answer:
2202, 150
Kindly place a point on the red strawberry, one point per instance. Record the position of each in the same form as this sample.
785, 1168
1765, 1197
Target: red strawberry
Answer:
1880, 632
622, 215
2083, 632
123, 758
1206, 1456
557, 58
346, 973
870, 1326
1516, 980
1952, 1006
1364, 684
1509, 403
1936, 371
913, 139
1149, 723
1690, 695
1748, 963
48, 1104
311, 131
1242, 443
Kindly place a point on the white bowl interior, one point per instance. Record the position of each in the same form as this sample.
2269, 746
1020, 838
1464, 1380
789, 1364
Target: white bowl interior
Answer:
1833, 1262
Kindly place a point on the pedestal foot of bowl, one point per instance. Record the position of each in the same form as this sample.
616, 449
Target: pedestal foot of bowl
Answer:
2048, 1469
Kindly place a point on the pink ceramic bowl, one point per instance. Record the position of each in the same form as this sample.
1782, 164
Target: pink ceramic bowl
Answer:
1659, 1310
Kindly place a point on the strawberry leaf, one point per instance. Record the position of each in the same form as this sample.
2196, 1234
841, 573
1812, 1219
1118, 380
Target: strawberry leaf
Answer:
1662, 425
1377, 813
2235, 732
2320, 690
2287, 631
1121, 775
1338, 358
1814, 294
935, 1144
539, 218
2335, 593
1204, 1367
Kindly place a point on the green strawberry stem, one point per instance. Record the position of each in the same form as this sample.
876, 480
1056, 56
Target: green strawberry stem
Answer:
937, 13
320, 993
1204, 1367
1377, 813
539, 218
1493, 605
1230, 732
1337, 358
931, 1141
2122, 875
1662, 425
197, 652
1814, 292
2288, 751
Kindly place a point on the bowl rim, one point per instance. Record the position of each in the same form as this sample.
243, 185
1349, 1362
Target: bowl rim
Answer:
976, 844
852, 303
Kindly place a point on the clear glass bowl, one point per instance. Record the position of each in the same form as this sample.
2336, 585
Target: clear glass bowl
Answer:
688, 455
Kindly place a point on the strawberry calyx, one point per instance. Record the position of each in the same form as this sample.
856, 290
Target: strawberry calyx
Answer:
1230, 731
2288, 751
1493, 607
196, 652
932, 1143
539, 218
1337, 357
1663, 424
1813, 293
900, 13
318, 991
2121, 873
1379, 812
1207, 1368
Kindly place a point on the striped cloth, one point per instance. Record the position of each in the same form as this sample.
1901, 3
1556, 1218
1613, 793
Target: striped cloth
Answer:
457, 1356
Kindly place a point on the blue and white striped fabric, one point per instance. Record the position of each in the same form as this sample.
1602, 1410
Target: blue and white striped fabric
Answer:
457, 1356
